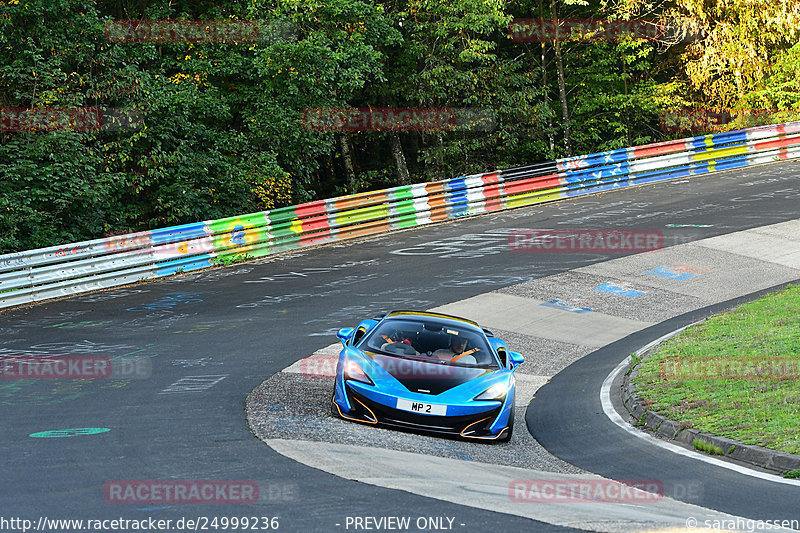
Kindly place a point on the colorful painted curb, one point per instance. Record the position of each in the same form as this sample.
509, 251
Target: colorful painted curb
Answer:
36, 275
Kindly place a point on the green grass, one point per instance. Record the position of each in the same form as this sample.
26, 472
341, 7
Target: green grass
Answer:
792, 474
228, 260
735, 375
635, 360
707, 447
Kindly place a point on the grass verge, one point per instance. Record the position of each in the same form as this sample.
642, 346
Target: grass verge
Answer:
736, 375
707, 447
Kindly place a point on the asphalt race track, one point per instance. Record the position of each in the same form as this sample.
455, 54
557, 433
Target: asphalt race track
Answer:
200, 343
568, 433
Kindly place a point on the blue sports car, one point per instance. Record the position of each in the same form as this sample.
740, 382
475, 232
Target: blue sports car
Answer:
426, 372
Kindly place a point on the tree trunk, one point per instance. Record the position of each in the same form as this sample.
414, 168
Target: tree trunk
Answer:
347, 157
551, 140
562, 91
625, 114
399, 158
439, 153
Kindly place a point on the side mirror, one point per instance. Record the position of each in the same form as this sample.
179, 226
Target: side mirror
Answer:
516, 359
344, 335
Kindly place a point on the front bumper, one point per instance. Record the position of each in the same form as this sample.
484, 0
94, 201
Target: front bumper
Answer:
484, 425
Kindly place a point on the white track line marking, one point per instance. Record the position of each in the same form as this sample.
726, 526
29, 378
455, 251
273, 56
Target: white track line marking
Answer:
614, 416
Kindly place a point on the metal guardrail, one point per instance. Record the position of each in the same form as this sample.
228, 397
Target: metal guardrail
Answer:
36, 275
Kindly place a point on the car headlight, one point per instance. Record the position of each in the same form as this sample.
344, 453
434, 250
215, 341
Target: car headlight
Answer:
496, 392
353, 370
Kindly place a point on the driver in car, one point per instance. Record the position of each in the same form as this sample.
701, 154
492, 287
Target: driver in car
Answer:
456, 351
401, 338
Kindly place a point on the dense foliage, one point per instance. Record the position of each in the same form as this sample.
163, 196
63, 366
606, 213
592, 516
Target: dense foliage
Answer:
216, 128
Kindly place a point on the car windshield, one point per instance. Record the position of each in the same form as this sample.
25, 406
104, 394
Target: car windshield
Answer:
430, 340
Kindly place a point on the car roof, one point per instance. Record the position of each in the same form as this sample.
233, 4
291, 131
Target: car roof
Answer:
435, 317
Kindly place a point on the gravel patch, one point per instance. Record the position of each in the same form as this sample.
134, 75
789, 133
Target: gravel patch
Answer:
543, 357
292, 406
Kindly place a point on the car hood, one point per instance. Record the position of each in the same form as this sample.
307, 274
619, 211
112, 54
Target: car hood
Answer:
426, 377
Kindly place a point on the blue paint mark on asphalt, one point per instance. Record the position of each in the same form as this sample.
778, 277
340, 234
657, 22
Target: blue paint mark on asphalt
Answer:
565, 306
666, 272
289, 420
461, 455
689, 226
154, 508
71, 432
619, 290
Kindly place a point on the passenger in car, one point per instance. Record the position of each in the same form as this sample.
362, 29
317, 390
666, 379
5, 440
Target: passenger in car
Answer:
457, 351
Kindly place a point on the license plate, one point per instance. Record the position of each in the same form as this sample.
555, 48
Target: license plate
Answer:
422, 407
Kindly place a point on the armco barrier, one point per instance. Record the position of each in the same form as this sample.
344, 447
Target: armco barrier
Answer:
36, 275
